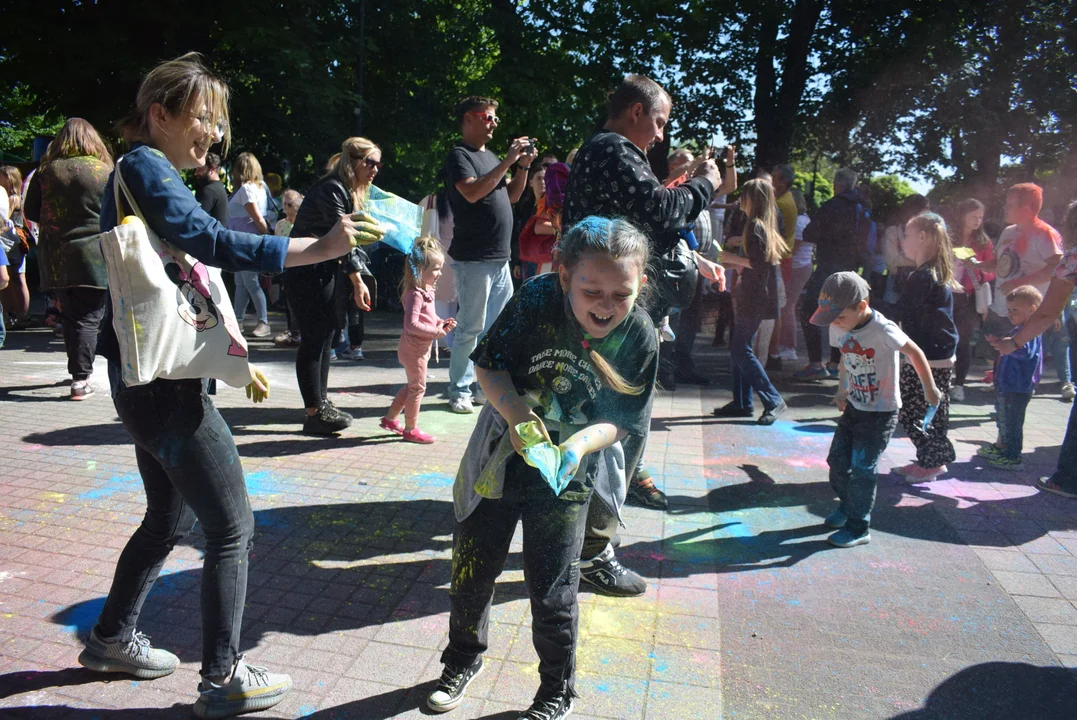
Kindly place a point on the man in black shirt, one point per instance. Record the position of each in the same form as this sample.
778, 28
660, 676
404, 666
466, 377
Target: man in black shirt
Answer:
481, 201
209, 190
612, 178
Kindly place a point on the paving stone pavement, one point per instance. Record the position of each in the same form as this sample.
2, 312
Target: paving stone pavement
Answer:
963, 605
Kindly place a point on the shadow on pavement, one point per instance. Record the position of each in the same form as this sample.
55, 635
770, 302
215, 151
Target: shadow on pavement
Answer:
317, 569
1002, 691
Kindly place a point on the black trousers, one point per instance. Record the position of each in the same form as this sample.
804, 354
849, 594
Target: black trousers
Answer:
553, 534
809, 303
965, 318
316, 314
82, 309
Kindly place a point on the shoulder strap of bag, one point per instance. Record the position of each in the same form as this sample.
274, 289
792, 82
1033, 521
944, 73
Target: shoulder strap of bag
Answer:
119, 186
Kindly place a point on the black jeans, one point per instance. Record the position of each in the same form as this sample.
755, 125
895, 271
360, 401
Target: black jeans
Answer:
686, 323
965, 318
82, 309
553, 534
316, 315
191, 470
859, 442
809, 303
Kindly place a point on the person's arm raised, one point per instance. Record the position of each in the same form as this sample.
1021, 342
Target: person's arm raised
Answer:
475, 189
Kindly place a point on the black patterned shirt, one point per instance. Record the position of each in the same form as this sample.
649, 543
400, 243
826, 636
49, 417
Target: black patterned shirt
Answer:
612, 178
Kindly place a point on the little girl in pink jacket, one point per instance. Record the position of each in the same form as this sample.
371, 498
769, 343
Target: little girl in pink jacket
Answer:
422, 326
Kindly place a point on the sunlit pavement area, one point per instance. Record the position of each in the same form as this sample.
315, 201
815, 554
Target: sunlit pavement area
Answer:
962, 606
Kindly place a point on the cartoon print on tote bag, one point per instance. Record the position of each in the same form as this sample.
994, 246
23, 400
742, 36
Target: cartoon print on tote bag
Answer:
196, 305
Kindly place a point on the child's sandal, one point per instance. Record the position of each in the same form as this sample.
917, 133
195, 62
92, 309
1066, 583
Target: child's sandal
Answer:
415, 435
392, 426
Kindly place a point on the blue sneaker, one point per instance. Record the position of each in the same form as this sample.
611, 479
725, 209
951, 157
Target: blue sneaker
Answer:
836, 520
846, 539
811, 373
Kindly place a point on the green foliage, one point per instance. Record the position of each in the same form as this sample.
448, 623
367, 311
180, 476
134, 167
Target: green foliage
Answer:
22, 123
887, 193
920, 86
824, 187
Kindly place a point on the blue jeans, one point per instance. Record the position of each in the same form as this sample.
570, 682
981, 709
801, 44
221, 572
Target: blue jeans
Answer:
748, 372
483, 289
248, 287
191, 471
1011, 422
859, 442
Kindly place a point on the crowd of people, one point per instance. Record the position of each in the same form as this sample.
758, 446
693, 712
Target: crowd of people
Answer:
576, 292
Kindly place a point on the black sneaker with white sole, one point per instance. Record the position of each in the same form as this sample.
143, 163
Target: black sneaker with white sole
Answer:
606, 576
450, 690
549, 707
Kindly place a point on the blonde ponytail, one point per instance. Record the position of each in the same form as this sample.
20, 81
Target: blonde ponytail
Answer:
610, 377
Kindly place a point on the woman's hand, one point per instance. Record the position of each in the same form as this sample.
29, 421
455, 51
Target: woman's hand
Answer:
258, 388
360, 293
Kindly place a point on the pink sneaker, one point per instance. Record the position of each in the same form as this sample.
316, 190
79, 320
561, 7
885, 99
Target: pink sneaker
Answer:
915, 474
392, 426
415, 435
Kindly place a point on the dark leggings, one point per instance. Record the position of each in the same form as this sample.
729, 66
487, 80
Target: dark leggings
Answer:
813, 334
965, 319
315, 313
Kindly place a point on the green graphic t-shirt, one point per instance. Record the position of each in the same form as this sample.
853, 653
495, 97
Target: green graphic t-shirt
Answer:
538, 341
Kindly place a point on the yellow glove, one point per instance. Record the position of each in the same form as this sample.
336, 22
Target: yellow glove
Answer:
258, 389
367, 230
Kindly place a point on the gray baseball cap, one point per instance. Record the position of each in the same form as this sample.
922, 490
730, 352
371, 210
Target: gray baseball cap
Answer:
841, 290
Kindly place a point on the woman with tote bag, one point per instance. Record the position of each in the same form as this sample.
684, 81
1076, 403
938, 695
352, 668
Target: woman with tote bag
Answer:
186, 455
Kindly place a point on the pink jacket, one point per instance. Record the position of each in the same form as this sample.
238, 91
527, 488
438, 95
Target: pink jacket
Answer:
420, 319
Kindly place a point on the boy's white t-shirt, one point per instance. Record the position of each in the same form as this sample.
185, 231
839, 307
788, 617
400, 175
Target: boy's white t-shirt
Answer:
871, 359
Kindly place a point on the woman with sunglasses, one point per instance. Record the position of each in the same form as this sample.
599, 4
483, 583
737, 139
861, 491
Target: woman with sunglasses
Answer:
320, 293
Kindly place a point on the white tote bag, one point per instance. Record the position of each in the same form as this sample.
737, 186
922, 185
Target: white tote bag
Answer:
172, 315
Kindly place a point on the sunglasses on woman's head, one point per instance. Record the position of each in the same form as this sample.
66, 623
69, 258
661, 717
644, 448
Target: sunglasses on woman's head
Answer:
373, 164
486, 116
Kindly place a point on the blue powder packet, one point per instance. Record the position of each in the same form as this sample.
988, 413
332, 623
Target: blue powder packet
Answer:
929, 416
540, 454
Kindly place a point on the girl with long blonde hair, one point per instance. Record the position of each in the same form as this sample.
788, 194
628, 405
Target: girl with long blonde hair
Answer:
756, 298
926, 312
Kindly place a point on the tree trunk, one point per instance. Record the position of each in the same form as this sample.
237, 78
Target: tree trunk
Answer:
778, 109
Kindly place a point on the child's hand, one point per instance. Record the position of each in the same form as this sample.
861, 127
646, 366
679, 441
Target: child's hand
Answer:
570, 463
1058, 325
841, 399
517, 441
932, 394
258, 388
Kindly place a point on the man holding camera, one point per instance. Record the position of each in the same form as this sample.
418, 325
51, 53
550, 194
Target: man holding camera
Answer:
481, 201
612, 178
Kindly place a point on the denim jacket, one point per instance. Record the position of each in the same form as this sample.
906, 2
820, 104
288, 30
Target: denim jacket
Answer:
171, 211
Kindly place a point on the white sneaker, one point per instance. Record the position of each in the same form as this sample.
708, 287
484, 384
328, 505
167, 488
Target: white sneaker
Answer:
461, 406
788, 354
351, 354
1068, 392
957, 392
261, 330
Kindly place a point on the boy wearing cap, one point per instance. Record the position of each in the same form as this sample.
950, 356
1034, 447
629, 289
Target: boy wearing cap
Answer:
868, 397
